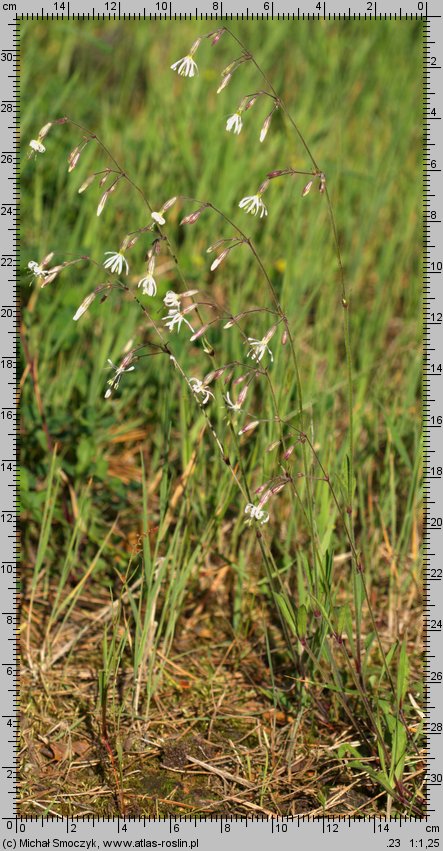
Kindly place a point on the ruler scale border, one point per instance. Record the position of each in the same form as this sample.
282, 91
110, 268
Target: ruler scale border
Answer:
432, 318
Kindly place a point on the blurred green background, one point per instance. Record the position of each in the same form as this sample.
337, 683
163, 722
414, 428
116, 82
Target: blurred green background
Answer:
354, 89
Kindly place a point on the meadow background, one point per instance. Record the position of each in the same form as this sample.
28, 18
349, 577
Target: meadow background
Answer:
145, 605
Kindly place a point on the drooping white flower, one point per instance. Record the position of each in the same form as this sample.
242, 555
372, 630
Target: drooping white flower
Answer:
37, 146
200, 389
234, 123
256, 513
158, 215
84, 306
186, 66
148, 283
36, 269
257, 348
123, 367
171, 299
233, 406
253, 204
41, 273
115, 262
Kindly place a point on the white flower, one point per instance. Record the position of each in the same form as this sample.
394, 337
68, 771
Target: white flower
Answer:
119, 370
257, 348
253, 204
37, 146
171, 299
148, 283
234, 406
256, 513
115, 262
175, 318
186, 66
234, 123
199, 388
36, 269
84, 306
158, 218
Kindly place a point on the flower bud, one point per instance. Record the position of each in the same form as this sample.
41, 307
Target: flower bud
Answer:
45, 130
168, 204
51, 276
47, 259
249, 427
84, 306
307, 188
102, 202
242, 395
201, 331
129, 242
193, 217
277, 488
266, 125
219, 259
189, 309
216, 373
250, 102
216, 36
73, 158
86, 183
229, 68
239, 380
224, 82
215, 246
